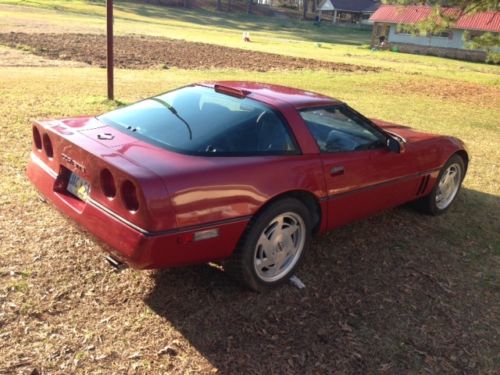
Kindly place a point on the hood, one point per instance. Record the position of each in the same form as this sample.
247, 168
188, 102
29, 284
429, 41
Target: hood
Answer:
408, 134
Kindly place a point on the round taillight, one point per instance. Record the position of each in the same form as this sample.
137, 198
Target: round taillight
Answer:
47, 146
37, 139
129, 196
108, 184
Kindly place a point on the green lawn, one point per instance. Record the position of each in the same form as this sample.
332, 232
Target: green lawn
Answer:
269, 34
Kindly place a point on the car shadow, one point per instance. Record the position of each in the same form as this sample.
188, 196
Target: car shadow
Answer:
397, 292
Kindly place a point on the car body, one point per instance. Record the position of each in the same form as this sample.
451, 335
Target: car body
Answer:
160, 203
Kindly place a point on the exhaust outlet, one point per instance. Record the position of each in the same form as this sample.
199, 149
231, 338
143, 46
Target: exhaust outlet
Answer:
116, 264
41, 198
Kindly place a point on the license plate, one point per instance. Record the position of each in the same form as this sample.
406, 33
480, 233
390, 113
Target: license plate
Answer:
79, 187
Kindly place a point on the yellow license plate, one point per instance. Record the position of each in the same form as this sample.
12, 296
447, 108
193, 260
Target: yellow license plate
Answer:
78, 187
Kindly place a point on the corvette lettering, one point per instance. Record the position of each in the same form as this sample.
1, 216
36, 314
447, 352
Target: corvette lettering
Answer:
72, 162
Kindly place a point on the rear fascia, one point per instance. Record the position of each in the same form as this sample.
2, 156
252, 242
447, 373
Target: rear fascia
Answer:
148, 238
77, 153
129, 243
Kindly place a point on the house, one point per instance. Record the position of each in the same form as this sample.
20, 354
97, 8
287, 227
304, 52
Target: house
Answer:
349, 11
394, 27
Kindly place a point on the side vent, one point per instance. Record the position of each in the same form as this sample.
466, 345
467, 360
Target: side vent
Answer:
423, 184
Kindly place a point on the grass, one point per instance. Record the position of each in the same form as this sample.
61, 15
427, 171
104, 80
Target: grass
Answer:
397, 293
288, 37
441, 270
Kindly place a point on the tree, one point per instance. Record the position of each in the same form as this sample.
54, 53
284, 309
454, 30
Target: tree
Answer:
304, 11
440, 21
466, 6
489, 42
219, 5
249, 6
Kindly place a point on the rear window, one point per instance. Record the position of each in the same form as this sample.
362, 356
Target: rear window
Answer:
198, 120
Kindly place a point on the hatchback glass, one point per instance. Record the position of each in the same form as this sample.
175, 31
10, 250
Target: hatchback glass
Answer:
201, 121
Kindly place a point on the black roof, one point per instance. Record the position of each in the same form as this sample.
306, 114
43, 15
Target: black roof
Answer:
356, 5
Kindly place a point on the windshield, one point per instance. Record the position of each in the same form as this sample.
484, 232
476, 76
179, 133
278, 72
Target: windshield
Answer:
198, 120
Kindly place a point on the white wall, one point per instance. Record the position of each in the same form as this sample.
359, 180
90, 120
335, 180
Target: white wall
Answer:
434, 41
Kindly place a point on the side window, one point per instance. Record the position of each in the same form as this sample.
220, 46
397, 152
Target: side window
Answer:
338, 129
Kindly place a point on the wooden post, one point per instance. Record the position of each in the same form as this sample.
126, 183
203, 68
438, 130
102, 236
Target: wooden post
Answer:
109, 38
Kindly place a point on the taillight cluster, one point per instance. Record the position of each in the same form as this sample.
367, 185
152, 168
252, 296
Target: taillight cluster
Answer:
129, 196
37, 139
128, 192
47, 146
127, 189
43, 142
108, 184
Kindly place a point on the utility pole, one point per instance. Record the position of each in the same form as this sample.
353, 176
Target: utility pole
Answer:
109, 38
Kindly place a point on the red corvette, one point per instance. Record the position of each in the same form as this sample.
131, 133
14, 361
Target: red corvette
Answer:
235, 172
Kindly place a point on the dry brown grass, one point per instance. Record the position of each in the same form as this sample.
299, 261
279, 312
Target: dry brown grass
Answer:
396, 293
448, 90
16, 57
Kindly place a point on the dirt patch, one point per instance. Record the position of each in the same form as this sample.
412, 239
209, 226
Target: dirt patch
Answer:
153, 52
15, 57
449, 90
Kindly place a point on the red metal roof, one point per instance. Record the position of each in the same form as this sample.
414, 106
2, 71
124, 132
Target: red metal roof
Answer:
487, 21
410, 15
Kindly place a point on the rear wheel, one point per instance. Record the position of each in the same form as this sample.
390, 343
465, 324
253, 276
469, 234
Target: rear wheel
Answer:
446, 189
273, 246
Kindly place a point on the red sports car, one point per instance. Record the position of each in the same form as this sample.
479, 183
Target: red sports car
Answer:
235, 172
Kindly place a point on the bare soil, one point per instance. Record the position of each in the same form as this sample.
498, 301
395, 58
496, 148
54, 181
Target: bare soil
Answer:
139, 52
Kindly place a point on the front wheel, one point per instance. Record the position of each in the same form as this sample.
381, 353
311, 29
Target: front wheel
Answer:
273, 246
446, 189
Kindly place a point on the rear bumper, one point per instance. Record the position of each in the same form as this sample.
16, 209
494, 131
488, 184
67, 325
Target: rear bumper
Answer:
130, 244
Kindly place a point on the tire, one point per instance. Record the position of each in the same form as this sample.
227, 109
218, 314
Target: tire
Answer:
437, 201
268, 254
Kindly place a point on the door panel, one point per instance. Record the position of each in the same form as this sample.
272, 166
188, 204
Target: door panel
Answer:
365, 182
361, 175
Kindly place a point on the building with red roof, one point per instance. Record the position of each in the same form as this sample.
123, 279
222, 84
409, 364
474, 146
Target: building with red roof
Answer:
394, 28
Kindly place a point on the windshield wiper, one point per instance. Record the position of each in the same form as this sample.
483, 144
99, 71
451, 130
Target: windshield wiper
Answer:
175, 113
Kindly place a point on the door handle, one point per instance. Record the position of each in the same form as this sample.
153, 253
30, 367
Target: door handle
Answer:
337, 171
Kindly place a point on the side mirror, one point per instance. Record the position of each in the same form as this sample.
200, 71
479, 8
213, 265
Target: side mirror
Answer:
396, 145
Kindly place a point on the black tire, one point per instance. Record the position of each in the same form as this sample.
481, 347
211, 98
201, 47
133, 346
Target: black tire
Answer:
428, 204
241, 266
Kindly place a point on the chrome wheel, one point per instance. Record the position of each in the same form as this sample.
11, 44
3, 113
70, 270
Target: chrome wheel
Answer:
448, 186
279, 246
